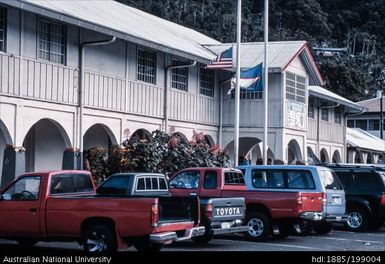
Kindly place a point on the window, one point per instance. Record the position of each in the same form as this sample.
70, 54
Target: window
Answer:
369, 181
310, 109
247, 95
115, 185
374, 124
234, 178
51, 41
71, 183
185, 180
363, 124
210, 181
149, 183
295, 87
26, 188
351, 123
300, 180
330, 180
146, 66
337, 115
267, 179
325, 114
3, 28
206, 81
179, 76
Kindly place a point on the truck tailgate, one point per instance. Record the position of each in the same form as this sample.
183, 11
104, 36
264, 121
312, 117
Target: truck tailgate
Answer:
227, 209
178, 209
310, 202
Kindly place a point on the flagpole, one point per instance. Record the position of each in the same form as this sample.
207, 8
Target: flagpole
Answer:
265, 82
237, 87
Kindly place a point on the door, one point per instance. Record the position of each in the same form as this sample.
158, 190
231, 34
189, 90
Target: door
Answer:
335, 195
20, 208
210, 184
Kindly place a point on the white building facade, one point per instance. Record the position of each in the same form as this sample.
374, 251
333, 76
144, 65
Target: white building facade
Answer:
129, 86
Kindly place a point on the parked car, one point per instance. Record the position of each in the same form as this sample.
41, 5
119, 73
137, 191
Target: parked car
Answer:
63, 206
365, 194
218, 215
310, 197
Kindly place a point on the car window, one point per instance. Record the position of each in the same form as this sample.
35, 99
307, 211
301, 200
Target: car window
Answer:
151, 183
116, 185
26, 188
267, 178
210, 180
330, 180
346, 179
367, 181
71, 183
234, 177
300, 180
185, 180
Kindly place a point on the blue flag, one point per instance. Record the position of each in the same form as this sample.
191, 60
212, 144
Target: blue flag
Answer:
250, 79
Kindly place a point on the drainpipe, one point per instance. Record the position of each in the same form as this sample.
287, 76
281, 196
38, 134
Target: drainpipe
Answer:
81, 75
166, 90
319, 120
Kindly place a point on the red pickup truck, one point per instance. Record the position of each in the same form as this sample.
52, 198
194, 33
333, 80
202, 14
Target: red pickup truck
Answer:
264, 209
63, 206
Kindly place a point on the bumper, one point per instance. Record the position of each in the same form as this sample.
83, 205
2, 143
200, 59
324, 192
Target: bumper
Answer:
336, 218
169, 237
235, 229
312, 216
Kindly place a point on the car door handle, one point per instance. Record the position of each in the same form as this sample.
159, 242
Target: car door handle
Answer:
33, 210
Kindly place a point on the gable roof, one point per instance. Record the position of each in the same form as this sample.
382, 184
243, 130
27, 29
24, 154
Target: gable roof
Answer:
330, 96
373, 105
124, 22
281, 54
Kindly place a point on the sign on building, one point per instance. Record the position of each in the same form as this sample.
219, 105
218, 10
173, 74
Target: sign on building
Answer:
295, 115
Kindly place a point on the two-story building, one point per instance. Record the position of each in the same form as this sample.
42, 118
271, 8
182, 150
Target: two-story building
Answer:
79, 74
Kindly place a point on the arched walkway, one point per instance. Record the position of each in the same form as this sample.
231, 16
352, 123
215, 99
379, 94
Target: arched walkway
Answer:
324, 155
44, 145
294, 152
336, 157
5, 139
369, 158
141, 134
358, 158
209, 140
250, 148
181, 137
99, 135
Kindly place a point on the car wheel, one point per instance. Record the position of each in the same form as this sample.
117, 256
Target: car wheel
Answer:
259, 227
302, 227
99, 238
322, 228
357, 219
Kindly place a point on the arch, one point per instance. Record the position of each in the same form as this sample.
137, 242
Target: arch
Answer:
369, 158
45, 143
181, 136
380, 159
294, 152
209, 140
358, 158
141, 134
336, 157
98, 135
250, 147
324, 155
312, 157
5, 139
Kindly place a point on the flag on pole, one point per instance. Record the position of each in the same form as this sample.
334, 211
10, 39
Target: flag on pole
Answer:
223, 60
250, 79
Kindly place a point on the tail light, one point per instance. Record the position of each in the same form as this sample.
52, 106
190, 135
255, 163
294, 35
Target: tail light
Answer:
154, 215
383, 199
299, 201
209, 211
324, 199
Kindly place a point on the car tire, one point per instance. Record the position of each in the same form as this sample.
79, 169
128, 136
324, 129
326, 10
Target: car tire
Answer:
358, 219
99, 238
302, 227
322, 228
259, 227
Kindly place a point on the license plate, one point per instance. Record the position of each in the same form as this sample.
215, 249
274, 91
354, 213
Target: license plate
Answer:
338, 218
337, 200
225, 225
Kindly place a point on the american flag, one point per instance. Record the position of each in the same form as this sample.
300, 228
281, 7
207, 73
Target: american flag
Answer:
223, 60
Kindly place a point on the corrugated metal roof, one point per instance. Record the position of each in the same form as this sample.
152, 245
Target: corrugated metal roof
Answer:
373, 105
120, 18
359, 138
252, 53
328, 95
